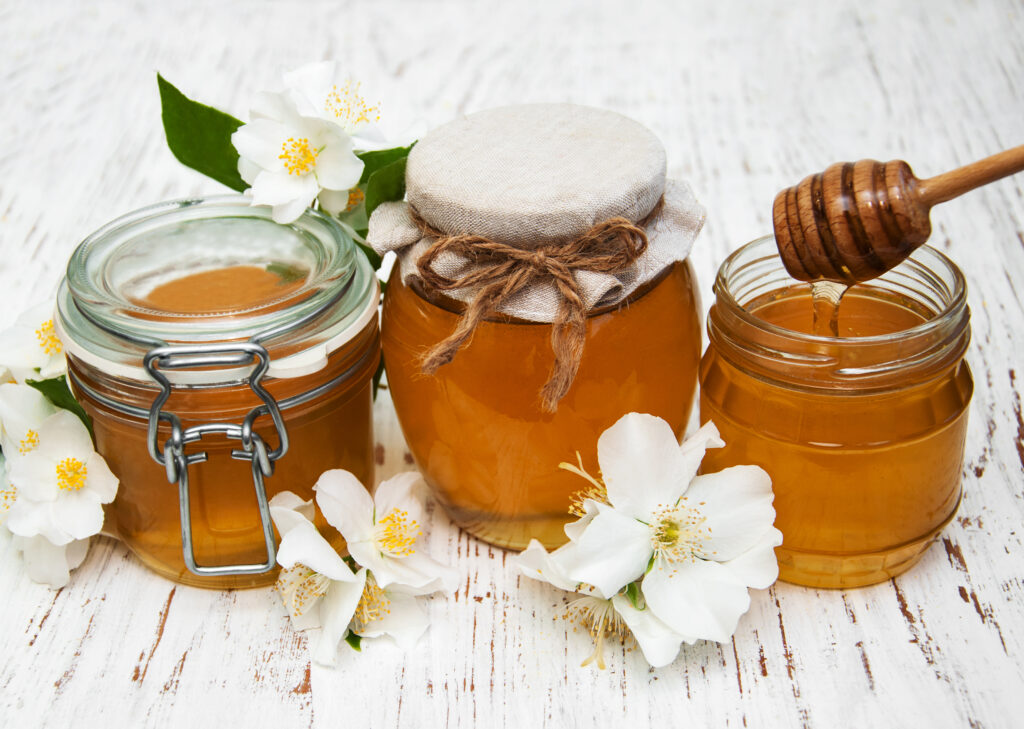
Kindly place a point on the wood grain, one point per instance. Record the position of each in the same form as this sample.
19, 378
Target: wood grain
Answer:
747, 97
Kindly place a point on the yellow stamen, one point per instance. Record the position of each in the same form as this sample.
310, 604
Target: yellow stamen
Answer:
299, 158
678, 533
7, 498
71, 474
349, 107
600, 619
355, 196
596, 491
373, 605
47, 337
396, 534
29, 442
300, 588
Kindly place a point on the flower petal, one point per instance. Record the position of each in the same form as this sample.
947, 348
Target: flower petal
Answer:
333, 202
309, 86
658, 642
28, 518
694, 447
399, 492
405, 621
261, 141
279, 188
611, 552
35, 477
22, 408
44, 562
695, 598
641, 464
336, 610
303, 544
757, 567
575, 529
76, 515
346, 504
417, 573
101, 481
736, 504
63, 435
337, 167
537, 564
288, 510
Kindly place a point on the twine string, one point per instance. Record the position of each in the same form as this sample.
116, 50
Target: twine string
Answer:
499, 271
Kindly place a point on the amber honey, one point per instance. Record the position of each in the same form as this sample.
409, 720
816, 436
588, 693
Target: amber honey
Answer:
862, 434
276, 274
476, 427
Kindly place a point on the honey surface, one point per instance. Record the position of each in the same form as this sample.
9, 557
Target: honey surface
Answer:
476, 427
863, 481
232, 288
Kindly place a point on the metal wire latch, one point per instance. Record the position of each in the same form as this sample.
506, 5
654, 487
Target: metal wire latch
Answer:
171, 454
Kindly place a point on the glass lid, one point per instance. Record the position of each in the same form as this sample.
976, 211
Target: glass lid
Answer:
214, 270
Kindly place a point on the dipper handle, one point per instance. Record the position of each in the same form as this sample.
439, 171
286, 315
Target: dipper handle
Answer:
855, 221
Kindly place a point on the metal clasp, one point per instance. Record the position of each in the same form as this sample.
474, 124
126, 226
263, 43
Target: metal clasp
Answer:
171, 454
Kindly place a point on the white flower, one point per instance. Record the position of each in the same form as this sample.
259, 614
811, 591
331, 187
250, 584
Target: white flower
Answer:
698, 542
316, 93
288, 158
383, 532
48, 563
605, 618
319, 589
61, 483
22, 411
30, 349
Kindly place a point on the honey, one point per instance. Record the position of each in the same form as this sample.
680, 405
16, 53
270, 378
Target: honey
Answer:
299, 296
476, 427
862, 433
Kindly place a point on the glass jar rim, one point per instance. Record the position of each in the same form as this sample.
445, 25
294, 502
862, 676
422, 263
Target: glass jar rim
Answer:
103, 326
853, 364
956, 301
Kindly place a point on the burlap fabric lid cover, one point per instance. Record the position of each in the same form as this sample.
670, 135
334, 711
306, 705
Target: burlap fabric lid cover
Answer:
534, 175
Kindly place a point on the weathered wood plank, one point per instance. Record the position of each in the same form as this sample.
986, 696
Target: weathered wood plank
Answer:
748, 98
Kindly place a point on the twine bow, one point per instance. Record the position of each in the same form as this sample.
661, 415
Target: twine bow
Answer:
500, 271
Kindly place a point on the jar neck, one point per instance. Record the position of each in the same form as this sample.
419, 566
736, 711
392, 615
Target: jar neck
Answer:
927, 281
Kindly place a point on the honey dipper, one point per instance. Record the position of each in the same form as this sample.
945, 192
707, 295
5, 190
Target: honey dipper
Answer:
856, 220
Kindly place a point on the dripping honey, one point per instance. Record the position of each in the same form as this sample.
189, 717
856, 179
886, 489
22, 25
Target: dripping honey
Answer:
476, 427
332, 431
865, 473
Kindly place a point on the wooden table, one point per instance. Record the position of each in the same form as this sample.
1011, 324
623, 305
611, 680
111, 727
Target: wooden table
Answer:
749, 98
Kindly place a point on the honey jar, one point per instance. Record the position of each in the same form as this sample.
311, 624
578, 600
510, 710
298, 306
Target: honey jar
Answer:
542, 290
862, 433
223, 358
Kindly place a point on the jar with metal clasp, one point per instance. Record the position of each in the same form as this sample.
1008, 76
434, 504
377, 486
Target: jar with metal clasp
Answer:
223, 358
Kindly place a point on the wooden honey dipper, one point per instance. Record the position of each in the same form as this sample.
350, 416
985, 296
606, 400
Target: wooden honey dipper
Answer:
856, 220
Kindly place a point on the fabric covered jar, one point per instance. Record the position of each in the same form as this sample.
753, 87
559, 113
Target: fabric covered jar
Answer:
542, 290
223, 358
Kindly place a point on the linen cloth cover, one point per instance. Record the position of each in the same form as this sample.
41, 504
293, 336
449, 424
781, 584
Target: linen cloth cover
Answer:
533, 175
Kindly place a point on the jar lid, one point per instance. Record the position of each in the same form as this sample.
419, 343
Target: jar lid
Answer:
214, 270
535, 173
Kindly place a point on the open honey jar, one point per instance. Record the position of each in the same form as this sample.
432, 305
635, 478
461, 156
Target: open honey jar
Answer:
542, 290
862, 433
223, 358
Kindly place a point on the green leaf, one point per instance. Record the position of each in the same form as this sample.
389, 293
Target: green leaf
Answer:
379, 158
633, 594
387, 183
356, 641
200, 136
57, 391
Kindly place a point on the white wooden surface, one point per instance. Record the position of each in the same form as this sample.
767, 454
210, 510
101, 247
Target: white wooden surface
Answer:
749, 98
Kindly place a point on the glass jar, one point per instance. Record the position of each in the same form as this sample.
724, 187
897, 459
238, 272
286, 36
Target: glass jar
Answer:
476, 427
223, 358
862, 434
